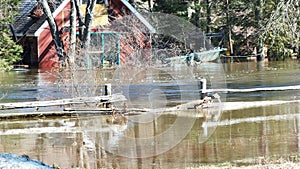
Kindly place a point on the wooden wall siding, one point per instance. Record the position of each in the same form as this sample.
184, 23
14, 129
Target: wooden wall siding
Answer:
47, 56
126, 51
117, 8
135, 43
138, 46
46, 51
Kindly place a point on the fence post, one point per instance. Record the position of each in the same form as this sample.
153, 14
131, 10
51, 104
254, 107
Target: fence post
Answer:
107, 89
203, 90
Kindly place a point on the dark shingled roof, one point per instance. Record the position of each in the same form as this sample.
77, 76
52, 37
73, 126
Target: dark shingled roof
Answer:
23, 23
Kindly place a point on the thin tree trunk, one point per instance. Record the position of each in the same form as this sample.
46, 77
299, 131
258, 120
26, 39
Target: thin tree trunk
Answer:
54, 31
197, 13
229, 28
298, 26
208, 20
72, 44
150, 5
208, 16
258, 13
80, 18
88, 22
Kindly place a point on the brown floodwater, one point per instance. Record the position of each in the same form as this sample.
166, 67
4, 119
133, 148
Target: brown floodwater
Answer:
158, 139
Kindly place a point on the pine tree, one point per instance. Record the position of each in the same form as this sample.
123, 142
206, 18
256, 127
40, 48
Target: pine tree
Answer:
9, 51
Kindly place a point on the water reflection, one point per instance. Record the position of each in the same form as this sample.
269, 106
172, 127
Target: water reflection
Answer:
250, 76
91, 142
79, 141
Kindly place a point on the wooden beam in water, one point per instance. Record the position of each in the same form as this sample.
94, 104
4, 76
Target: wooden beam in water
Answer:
36, 114
62, 102
39, 114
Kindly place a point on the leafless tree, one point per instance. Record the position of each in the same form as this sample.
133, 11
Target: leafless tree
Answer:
84, 27
88, 22
54, 30
72, 45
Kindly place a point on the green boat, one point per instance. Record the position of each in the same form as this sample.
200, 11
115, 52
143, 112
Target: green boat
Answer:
202, 56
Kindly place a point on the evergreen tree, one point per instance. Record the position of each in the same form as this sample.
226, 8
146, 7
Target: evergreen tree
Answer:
9, 51
176, 7
280, 29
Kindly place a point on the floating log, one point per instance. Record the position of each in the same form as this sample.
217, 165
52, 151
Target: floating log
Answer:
58, 113
36, 114
182, 109
75, 111
98, 108
61, 102
41, 130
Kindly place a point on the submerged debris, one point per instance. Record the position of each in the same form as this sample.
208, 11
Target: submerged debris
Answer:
116, 118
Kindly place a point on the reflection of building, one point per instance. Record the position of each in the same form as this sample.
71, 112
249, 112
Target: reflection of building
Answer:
33, 32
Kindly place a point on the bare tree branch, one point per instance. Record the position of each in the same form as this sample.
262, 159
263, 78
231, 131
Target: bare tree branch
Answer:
72, 45
54, 30
80, 18
88, 21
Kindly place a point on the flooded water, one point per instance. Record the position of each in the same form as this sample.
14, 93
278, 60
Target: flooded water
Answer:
259, 116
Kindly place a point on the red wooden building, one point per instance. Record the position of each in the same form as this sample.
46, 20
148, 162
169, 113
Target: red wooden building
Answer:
33, 32
32, 29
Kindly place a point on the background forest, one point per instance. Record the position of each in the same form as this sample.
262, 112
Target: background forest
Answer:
248, 26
